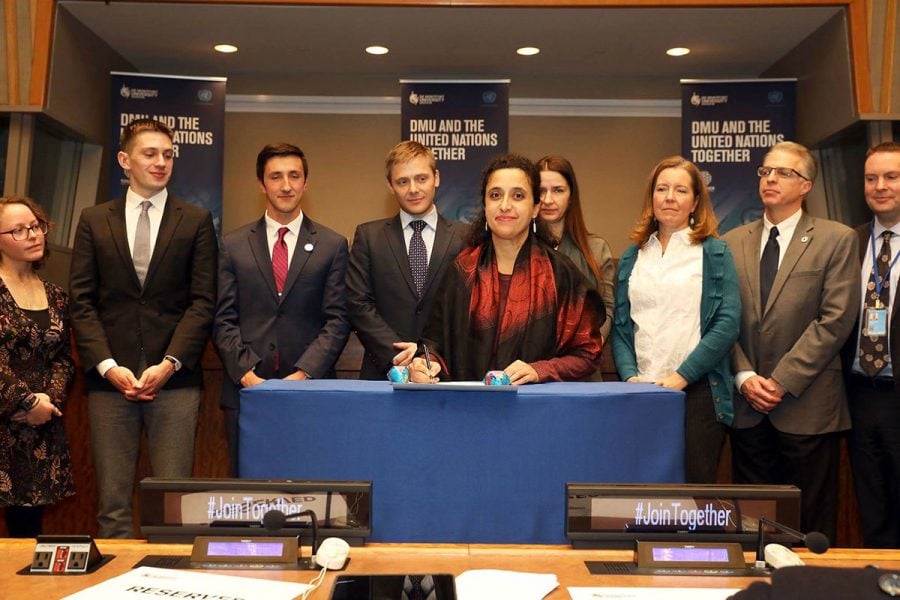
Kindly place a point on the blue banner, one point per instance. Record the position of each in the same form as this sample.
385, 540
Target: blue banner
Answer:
726, 129
194, 108
465, 124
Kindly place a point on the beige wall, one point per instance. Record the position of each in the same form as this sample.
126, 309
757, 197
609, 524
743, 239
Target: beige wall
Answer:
612, 158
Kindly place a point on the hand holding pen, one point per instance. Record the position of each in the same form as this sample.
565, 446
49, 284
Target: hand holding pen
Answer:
423, 370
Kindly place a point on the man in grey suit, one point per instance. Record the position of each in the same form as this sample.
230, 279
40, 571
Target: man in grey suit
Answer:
390, 289
282, 309
800, 291
142, 295
873, 355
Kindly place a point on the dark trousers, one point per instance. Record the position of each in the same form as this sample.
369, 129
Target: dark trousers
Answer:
231, 436
703, 434
762, 454
24, 521
875, 455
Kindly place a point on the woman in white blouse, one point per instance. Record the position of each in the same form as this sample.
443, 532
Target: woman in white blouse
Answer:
678, 309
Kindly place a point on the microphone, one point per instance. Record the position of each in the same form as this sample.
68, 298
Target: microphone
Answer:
815, 541
274, 521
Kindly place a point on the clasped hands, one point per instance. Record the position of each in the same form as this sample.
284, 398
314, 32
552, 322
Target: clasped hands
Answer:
519, 371
763, 393
144, 389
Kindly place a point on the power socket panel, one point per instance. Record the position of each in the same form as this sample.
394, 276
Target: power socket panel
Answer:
62, 554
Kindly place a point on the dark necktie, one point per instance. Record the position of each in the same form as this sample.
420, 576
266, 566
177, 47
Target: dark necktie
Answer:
768, 268
874, 353
418, 256
280, 260
141, 254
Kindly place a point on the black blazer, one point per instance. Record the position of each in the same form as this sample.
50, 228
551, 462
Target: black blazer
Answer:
306, 328
384, 307
114, 317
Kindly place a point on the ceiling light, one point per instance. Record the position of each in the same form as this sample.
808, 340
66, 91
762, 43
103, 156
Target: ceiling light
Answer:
527, 51
678, 51
225, 48
378, 50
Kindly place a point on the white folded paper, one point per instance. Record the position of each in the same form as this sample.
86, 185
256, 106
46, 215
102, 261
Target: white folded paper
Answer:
150, 582
491, 584
650, 593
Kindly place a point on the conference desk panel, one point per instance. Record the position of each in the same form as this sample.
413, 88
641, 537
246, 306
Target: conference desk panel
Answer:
471, 466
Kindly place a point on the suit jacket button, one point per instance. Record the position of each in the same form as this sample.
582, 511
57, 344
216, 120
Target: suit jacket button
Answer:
272, 347
714, 382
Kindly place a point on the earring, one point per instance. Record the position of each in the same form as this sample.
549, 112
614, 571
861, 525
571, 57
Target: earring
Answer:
533, 225
691, 221
485, 226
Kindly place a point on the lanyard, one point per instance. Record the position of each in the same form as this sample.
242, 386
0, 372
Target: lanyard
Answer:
879, 281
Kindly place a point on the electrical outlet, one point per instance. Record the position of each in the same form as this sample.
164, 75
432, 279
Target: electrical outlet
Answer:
77, 561
41, 561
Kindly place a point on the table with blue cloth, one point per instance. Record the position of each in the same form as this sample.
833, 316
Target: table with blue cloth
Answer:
463, 466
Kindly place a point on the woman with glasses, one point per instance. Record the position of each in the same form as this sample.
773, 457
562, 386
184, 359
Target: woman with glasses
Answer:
35, 371
678, 309
561, 211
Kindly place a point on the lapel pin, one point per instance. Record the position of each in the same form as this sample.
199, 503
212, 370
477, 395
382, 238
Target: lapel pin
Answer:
804, 239
308, 247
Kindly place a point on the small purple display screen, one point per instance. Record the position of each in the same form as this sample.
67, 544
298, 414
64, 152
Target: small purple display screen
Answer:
245, 549
696, 555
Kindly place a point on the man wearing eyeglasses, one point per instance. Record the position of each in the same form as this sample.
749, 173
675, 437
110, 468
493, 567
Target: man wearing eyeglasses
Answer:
799, 279
872, 355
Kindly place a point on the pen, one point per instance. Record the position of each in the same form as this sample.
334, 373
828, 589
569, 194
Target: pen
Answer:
427, 361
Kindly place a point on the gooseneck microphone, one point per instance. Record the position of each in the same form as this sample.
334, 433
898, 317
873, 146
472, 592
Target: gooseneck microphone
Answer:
275, 520
815, 541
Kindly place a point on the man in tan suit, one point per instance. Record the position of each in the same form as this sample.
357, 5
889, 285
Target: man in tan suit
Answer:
800, 295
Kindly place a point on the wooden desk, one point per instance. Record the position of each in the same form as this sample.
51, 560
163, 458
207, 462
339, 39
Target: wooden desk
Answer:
567, 564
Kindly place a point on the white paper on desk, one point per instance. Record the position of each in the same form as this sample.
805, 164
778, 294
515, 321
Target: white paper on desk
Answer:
149, 582
650, 593
491, 584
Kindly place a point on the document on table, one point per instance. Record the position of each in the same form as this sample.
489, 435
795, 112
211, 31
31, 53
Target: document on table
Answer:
147, 582
491, 584
650, 593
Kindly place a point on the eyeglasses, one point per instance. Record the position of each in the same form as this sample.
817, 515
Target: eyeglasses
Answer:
21, 233
782, 172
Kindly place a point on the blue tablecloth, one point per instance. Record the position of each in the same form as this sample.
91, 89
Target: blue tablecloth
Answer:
463, 466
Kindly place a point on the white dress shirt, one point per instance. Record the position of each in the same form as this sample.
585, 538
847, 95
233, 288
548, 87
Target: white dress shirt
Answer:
894, 278
665, 289
290, 238
785, 234
428, 232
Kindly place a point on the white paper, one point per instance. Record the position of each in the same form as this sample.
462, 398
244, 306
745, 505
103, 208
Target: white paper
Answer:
149, 582
491, 584
650, 593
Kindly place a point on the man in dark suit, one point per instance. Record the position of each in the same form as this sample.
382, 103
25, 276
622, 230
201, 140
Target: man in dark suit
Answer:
873, 352
282, 310
143, 291
799, 291
390, 289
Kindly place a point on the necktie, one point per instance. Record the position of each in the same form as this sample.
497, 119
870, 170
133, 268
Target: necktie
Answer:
418, 256
141, 254
280, 260
873, 349
768, 267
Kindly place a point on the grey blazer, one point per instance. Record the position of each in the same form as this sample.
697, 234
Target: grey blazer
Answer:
797, 337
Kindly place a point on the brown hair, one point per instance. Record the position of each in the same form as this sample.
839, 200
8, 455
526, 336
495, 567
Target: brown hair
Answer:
405, 152
39, 214
705, 223
271, 151
139, 126
883, 147
574, 218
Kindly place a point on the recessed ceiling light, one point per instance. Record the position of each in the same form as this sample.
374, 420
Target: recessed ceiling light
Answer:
377, 50
678, 51
225, 48
527, 51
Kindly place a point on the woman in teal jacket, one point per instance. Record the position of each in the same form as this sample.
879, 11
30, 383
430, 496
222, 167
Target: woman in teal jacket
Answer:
678, 309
